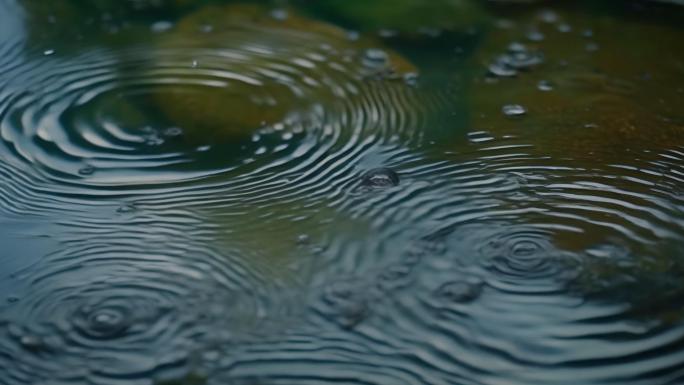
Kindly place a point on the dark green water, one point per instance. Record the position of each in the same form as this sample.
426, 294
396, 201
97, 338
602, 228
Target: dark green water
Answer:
368, 192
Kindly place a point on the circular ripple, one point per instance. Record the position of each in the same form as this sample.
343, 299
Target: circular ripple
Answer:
525, 262
250, 93
108, 313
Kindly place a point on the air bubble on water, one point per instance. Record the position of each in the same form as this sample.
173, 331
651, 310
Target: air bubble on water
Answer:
479, 137
206, 28
411, 79
194, 64
517, 57
107, 322
103, 318
525, 248
49, 52
513, 110
32, 342
374, 57
203, 148
303, 239
502, 70
380, 178
161, 26
544, 85
287, 136
86, 170
588, 33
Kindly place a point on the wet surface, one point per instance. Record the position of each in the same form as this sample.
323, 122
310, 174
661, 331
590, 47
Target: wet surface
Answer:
453, 192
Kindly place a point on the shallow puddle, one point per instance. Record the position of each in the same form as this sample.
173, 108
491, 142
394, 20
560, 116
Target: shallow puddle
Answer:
342, 192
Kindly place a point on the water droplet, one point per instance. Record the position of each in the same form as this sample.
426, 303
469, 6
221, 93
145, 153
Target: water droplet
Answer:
460, 291
107, 322
86, 170
502, 70
380, 177
32, 342
524, 248
523, 59
513, 110
303, 239
411, 79
375, 57
161, 26
517, 57
544, 85
49, 52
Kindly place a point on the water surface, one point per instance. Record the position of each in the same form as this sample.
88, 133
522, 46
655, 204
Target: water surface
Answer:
396, 192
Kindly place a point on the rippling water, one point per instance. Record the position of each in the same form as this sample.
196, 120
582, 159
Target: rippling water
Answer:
236, 193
